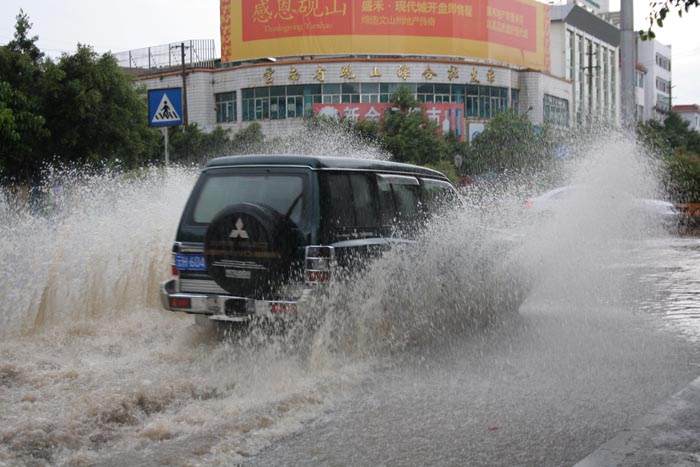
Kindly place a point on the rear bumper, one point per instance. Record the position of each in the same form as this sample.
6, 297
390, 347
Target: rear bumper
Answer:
228, 307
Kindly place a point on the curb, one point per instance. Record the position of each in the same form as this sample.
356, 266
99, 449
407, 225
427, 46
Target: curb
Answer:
669, 435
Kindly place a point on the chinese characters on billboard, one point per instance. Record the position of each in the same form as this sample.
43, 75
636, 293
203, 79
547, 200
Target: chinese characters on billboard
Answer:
448, 117
511, 31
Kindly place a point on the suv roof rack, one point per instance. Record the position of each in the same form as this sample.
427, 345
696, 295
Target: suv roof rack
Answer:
322, 162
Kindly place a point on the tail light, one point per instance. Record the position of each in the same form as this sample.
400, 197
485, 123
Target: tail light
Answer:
528, 204
282, 307
173, 266
319, 264
180, 302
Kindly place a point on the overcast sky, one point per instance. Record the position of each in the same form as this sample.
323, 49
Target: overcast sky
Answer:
117, 26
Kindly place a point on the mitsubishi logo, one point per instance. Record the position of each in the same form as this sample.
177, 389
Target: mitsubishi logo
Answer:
238, 231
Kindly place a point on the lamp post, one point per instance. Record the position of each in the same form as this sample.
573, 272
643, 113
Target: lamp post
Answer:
627, 53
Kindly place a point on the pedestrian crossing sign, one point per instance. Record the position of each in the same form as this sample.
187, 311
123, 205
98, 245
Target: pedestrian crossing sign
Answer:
165, 107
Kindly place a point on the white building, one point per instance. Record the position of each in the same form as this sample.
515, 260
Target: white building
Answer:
595, 6
690, 113
585, 50
656, 57
640, 74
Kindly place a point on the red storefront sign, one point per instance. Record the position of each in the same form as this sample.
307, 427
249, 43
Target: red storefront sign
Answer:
448, 116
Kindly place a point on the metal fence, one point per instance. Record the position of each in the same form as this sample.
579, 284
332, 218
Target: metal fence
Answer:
163, 58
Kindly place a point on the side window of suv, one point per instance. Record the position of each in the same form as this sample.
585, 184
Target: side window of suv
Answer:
349, 210
399, 200
437, 195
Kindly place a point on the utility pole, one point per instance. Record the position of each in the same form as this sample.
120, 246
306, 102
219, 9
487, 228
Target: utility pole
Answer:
627, 61
184, 80
589, 73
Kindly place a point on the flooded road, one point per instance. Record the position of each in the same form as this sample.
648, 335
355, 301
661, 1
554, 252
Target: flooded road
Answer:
94, 373
544, 389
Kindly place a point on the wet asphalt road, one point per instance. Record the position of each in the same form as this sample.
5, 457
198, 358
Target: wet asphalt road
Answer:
544, 388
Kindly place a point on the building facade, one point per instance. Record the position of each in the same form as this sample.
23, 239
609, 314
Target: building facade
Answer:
558, 65
585, 52
280, 95
640, 77
656, 57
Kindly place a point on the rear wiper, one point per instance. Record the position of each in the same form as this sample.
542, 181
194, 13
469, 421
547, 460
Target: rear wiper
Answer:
294, 204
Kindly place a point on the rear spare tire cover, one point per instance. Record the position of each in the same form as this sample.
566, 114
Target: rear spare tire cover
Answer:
249, 249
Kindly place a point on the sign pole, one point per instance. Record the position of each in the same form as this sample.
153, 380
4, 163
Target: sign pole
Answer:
165, 138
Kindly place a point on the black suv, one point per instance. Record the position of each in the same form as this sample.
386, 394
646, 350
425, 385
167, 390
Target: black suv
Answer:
260, 233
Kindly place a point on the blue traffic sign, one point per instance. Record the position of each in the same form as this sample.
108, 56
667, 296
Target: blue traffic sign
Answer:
165, 107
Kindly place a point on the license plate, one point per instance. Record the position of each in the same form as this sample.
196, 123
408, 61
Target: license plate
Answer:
190, 262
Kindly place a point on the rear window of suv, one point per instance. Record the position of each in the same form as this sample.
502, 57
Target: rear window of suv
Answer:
282, 192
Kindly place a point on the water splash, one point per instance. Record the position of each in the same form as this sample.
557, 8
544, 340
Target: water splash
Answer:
587, 237
93, 370
93, 246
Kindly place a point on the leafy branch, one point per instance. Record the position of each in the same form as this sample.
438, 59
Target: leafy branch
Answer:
661, 10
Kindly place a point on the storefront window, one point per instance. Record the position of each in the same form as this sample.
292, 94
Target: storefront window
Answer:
556, 110
297, 101
225, 107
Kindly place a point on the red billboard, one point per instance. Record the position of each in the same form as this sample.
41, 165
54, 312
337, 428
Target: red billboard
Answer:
513, 31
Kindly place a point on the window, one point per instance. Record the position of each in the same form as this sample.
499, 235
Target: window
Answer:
663, 85
556, 110
278, 191
348, 209
606, 81
272, 102
663, 62
570, 56
613, 73
437, 195
225, 107
515, 99
399, 201
597, 57
487, 101
369, 92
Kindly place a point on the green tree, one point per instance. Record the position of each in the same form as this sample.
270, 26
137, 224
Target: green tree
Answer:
674, 134
678, 149
660, 11
247, 140
192, 145
82, 109
96, 114
679, 134
410, 136
186, 143
509, 142
683, 177
22, 127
